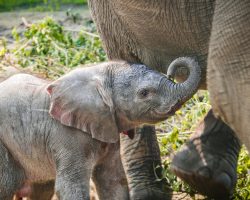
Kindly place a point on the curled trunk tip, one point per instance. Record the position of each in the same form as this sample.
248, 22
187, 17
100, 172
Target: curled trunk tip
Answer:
186, 89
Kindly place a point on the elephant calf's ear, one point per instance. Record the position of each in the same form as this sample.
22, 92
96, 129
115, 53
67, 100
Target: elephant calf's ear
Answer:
80, 101
49, 89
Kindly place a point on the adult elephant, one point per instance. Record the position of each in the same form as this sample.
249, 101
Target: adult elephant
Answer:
216, 33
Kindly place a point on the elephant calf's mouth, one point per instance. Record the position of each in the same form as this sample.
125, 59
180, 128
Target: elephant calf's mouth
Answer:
130, 133
170, 112
174, 108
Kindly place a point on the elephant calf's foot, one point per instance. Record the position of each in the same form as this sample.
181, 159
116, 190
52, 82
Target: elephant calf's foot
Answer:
208, 161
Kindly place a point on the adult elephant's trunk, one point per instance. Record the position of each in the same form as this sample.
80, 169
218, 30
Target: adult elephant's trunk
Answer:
185, 90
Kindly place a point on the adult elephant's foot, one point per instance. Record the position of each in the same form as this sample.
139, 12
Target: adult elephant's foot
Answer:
208, 161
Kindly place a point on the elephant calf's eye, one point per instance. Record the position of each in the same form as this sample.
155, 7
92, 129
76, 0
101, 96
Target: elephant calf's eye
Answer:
144, 93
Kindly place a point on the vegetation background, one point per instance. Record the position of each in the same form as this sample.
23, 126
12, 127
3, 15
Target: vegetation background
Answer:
51, 47
43, 4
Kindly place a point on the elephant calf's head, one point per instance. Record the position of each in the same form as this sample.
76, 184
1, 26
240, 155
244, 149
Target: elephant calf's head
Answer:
111, 97
142, 95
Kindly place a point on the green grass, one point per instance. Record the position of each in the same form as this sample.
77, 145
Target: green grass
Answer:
48, 49
41, 5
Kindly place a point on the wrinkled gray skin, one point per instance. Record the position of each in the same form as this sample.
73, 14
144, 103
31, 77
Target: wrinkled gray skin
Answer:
156, 32
68, 130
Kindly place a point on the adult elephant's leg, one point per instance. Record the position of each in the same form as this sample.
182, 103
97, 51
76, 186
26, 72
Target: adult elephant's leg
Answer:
229, 66
229, 87
208, 161
140, 157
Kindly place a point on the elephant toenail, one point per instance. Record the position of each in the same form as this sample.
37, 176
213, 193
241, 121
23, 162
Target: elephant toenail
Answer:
225, 180
205, 172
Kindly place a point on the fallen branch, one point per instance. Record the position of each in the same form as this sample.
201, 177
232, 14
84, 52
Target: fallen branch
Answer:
25, 22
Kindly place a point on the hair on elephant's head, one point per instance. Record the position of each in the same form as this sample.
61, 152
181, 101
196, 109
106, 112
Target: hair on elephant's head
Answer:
116, 96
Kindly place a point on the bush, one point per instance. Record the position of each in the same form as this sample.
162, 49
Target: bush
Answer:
50, 50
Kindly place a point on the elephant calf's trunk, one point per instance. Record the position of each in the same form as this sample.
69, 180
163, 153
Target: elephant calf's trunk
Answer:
186, 89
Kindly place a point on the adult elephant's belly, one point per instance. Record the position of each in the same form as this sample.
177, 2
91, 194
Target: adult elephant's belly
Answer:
164, 30
167, 24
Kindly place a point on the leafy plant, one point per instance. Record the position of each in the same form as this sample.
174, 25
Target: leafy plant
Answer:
243, 172
3, 50
47, 48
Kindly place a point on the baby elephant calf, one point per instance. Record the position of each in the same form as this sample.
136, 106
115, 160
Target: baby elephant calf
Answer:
68, 130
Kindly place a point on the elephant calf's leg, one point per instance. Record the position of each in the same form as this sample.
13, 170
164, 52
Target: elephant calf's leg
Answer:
42, 190
208, 161
109, 176
11, 175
